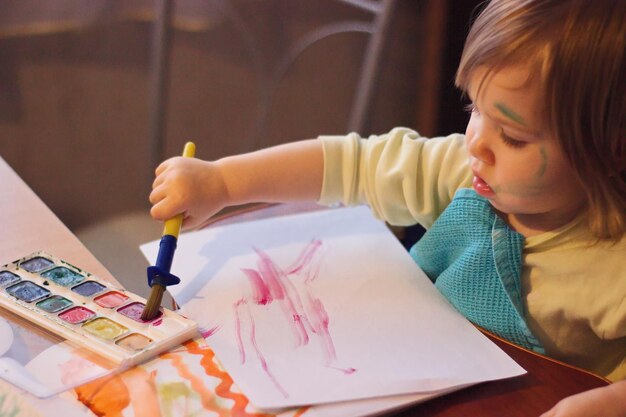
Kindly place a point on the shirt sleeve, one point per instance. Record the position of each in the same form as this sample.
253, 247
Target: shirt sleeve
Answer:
404, 177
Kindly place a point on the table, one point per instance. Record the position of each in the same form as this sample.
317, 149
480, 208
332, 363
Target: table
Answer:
28, 225
189, 380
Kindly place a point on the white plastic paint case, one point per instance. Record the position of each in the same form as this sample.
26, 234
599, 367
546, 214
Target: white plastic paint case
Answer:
88, 311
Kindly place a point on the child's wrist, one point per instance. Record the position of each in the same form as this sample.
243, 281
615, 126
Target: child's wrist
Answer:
226, 181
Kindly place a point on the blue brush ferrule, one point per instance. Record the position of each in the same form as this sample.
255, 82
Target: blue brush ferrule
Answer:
160, 273
167, 246
160, 277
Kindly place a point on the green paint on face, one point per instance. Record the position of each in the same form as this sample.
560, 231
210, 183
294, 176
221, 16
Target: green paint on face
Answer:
510, 113
544, 163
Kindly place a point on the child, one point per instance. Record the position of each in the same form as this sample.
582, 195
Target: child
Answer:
525, 212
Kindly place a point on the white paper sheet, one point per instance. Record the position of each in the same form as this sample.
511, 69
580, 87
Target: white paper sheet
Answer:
325, 307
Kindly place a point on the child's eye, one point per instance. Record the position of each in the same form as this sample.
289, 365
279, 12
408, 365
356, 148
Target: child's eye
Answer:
509, 141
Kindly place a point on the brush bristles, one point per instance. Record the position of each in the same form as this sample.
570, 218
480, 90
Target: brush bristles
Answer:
153, 304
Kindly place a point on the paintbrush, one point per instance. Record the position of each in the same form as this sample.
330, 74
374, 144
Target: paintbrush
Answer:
159, 276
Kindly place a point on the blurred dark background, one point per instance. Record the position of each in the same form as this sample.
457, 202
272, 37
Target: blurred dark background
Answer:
94, 94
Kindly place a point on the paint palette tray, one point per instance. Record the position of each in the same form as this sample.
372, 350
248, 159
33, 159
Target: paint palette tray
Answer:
87, 311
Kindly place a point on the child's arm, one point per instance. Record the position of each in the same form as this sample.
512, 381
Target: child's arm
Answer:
609, 401
199, 189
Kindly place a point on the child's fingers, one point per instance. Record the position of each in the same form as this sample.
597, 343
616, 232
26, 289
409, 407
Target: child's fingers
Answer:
157, 212
158, 180
170, 163
157, 194
164, 205
160, 175
163, 210
161, 168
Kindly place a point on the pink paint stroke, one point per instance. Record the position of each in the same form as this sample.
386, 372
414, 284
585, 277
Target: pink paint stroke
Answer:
260, 291
242, 351
270, 283
261, 357
290, 300
305, 257
210, 332
237, 306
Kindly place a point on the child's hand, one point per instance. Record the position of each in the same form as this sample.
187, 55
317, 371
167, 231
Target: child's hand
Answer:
199, 189
189, 186
609, 401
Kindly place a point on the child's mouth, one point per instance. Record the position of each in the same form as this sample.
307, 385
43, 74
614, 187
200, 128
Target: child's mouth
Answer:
482, 187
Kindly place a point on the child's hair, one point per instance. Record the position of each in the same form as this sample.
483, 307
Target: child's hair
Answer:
576, 48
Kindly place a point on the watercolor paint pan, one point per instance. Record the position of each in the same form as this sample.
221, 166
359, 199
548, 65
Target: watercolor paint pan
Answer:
88, 311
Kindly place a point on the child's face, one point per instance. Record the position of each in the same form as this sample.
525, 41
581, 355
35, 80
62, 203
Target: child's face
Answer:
517, 163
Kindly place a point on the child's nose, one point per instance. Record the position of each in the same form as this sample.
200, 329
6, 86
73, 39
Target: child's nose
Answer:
479, 147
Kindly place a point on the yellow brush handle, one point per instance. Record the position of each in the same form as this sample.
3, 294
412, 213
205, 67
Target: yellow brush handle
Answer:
172, 226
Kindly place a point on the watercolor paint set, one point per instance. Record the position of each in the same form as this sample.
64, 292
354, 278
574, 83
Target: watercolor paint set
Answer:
87, 311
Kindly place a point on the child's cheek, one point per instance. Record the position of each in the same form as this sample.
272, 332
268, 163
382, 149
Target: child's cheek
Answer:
543, 163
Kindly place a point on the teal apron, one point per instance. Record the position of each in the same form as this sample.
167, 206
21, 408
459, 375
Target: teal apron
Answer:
475, 260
